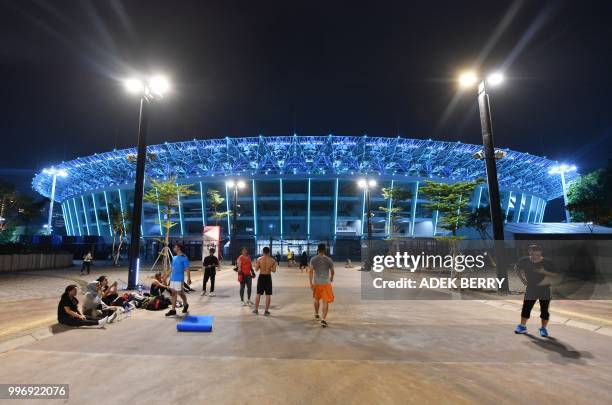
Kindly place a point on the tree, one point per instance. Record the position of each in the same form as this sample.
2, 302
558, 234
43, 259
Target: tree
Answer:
451, 201
590, 198
119, 226
396, 195
215, 200
166, 194
479, 220
17, 209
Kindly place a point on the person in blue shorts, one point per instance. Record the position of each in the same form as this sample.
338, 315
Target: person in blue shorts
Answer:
180, 268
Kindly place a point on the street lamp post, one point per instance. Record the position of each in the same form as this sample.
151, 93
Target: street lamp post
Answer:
367, 185
234, 185
55, 173
148, 90
469, 79
561, 170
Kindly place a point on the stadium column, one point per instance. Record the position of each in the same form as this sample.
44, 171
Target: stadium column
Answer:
254, 213
93, 199
335, 210
389, 205
85, 215
66, 223
76, 214
281, 208
308, 212
508, 206
414, 207
529, 210
108, 217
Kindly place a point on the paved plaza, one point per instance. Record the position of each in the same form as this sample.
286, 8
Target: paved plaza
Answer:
372, 352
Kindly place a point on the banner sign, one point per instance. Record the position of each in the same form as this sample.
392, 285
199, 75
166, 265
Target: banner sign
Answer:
210, 240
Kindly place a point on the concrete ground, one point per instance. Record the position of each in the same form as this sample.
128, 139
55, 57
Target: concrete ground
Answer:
372, 352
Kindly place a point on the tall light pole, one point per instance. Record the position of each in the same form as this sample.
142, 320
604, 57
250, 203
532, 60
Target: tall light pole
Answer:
367, 185
148, 90
54, 173
234, 185
561, 170
468, 80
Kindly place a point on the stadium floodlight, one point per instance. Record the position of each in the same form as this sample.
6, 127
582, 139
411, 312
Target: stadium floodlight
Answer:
54, 173
372, 183
367, 185
495, 79
562, 170
467, 79
362, 183
152, 89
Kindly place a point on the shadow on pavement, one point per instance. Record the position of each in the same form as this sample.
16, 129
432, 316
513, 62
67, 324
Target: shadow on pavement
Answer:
566, 352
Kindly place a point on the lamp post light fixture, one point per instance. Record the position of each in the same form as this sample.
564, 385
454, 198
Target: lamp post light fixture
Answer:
234, 185
52, 171
148, 90
561, 170
367, 185
469, 80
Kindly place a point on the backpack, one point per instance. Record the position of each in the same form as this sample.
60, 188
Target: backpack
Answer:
158, 303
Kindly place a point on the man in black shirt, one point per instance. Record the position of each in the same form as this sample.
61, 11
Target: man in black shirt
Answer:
210, 265
535, 271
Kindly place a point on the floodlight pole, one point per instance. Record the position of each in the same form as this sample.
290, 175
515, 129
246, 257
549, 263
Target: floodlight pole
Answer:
50, 219
568, 218
369, 210
138, 194
234, 219
492, 182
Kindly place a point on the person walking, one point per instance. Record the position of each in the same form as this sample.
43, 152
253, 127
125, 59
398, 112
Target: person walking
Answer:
321, 276
266, 265
210, 264
180, 268
535, 272
244, 267
87, 259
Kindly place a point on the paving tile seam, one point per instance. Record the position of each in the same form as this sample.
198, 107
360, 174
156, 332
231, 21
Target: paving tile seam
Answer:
287, 359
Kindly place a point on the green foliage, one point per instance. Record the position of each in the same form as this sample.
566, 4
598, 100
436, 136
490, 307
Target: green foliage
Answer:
451, 201
590, 197
18, 210
215, 200
166, 194
479, 220
396, 195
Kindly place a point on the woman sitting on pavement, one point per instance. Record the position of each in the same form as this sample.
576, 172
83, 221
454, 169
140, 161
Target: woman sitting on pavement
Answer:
157, 286
68, 311
95, 304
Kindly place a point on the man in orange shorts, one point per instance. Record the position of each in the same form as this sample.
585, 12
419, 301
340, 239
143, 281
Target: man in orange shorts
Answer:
321, 275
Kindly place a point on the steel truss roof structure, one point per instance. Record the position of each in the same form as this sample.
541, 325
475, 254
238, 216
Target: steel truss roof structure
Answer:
304, 156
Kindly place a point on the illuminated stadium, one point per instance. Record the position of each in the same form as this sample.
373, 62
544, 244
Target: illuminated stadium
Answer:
298, 188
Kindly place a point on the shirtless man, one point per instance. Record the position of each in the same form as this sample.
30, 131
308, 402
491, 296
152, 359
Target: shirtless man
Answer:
265, 265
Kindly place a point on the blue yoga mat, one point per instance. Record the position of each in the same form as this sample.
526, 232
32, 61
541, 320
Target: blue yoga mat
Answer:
193, 323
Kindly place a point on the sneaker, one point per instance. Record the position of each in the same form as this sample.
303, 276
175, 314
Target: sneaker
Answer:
249, 302
267, 313
323, 323
244, 304
185, 308
212, 294
317, 317
256, 312
172, 312
543, 332
102, 322
204, 293
112, 317
520, 329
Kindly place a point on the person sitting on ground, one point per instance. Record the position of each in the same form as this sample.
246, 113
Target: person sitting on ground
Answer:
157, 286
94, 305
68, 311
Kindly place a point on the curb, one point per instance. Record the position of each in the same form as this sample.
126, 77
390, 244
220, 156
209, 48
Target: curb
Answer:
581, 324
38, 334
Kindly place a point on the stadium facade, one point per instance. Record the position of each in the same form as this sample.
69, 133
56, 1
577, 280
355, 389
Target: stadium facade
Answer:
298, 188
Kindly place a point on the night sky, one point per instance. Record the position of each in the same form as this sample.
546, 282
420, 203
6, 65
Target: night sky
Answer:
243, 68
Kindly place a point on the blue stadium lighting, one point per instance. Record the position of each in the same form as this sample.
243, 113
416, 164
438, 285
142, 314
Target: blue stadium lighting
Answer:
93, 198
85, 215
108, 217
76, 214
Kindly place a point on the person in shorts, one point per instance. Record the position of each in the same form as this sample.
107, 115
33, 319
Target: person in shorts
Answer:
534, 270
265, 265
321, 276
180, 268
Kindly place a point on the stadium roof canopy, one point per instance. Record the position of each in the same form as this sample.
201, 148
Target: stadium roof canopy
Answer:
312, 156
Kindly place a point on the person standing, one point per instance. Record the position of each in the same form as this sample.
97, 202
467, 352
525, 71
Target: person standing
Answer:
87, 259
321, 276
266, 265
210, 264
535, 271
303, 260
180, 268
245, 275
